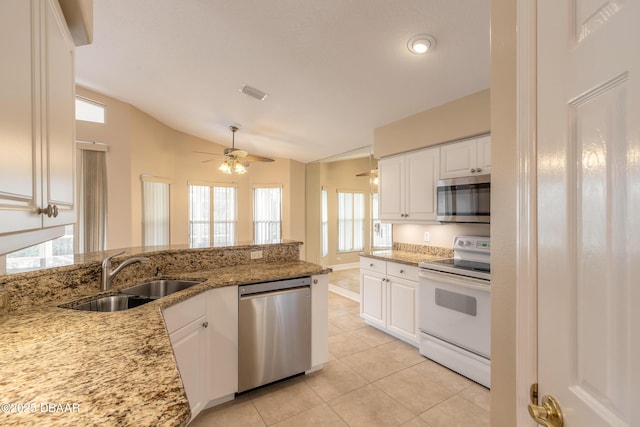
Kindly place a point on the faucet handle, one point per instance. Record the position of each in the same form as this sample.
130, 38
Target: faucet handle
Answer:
108, 259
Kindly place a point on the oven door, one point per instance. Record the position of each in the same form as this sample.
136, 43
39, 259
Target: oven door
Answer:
456, 309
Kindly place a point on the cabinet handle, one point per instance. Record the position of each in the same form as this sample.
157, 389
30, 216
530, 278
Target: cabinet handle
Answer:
370, 265
479, 170
205, 324
473, 170
315, 281
401, 271
50, 211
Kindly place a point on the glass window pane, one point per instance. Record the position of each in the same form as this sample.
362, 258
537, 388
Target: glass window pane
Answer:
267, 205
89, 111
351, 216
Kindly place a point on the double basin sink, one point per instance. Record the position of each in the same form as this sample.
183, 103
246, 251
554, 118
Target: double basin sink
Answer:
132, 296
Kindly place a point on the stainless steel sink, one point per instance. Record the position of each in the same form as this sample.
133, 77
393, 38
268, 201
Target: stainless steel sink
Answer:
159, 288
108, 303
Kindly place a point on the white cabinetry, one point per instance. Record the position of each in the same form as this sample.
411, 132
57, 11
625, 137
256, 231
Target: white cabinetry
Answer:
388, 293
187, 325
319, 320
407, 186
222, 313
37, 122
466, 158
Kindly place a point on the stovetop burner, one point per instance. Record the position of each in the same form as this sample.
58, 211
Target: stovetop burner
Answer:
471, 258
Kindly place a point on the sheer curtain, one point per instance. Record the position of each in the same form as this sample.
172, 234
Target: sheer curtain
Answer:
92, 217
351, 215
155, 212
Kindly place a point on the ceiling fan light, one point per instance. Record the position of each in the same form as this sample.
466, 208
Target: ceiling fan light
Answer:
239, 169
225, 167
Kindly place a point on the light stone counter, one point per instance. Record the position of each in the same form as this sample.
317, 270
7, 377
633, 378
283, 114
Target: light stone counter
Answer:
110, 368
410, 254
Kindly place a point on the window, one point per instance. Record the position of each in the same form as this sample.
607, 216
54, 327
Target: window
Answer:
155, 212
325, 224
382, 237
222, 202
350, 221
89, 111
53, 253
267, 214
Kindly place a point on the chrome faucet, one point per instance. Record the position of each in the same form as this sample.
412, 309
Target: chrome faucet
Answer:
108, 274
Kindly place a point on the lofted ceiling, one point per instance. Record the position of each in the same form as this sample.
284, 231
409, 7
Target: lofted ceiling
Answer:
334, 69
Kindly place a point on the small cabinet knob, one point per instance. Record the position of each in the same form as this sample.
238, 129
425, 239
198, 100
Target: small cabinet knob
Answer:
479, 170
315, 281
401, 271
371, 265
473, 170
205, 324
50, 211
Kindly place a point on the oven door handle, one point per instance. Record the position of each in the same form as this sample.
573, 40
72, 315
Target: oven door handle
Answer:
454, 280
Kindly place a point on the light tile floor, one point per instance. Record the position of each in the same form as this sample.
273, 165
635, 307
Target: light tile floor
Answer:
348, 279
371, 379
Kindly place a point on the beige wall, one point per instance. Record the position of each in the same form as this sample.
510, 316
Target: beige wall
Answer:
139, 144
504, 163
461, 118
334, 176
440, 235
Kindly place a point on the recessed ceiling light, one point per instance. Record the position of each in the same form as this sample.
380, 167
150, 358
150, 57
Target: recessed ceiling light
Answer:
421, 43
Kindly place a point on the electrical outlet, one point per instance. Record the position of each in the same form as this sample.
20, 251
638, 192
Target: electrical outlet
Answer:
256, 254
426, 236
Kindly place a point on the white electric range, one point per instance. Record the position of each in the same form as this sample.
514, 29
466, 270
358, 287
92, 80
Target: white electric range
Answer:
455, 309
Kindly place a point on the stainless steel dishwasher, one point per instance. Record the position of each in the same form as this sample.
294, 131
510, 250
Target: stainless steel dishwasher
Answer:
274, 331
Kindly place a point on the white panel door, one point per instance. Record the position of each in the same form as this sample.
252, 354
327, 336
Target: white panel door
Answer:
19, 114
483, 155
391, 189
373, 299
422, 172
59, 156
589, 209
403, 318
457, 159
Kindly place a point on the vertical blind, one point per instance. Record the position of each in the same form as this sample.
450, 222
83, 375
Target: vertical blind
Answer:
155, 213
212, 204
267, 214
325, 224
92, 218
351, 214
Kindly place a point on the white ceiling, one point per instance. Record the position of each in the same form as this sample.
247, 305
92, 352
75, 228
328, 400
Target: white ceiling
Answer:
334, 69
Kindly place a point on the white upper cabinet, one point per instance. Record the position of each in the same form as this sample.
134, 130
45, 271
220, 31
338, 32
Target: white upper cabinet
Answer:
37, 122
466, 158
407, 186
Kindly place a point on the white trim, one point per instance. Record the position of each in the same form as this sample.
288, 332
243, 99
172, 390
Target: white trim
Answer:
346, 266
344, 293
526, 232
92, 146
150, 178
212, 184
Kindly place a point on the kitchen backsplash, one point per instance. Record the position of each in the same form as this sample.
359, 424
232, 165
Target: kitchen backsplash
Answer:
423, 249
23, 290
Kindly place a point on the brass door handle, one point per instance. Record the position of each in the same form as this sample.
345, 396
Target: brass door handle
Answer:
548, 414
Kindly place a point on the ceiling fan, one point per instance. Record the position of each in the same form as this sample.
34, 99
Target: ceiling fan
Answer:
236, 160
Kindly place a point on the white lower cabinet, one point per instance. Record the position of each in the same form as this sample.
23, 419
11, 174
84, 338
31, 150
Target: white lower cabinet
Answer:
319, 320
388, 292
204, 334
187, 325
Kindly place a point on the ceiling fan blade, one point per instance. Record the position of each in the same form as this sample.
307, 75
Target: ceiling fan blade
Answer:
373, 172
210, 160
253, 158
205, 152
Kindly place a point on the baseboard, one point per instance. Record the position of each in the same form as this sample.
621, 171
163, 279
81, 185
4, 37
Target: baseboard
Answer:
347, 266
344, 292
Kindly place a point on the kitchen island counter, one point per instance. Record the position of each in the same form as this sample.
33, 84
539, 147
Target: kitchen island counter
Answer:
67, 367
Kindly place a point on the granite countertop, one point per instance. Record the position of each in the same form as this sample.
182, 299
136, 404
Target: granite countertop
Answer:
67, 367
403, 257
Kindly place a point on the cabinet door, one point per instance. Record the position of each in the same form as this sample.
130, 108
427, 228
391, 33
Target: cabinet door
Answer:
458, 159
422, 172
189, 347
402, 319
483, 155
391, 188
373, 298
19, 86
58, 117
319, 319
222, 313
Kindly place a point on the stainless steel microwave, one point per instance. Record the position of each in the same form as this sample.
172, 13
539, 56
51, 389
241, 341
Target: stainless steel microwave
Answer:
465, 199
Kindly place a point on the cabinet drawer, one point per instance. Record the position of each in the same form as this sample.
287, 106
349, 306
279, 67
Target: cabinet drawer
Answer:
409, 272
185, 312
373, 264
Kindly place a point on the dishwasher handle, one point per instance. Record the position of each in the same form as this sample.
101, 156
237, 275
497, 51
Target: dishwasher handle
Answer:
260, 288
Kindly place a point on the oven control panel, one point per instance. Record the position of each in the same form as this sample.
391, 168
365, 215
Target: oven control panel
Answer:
472, 243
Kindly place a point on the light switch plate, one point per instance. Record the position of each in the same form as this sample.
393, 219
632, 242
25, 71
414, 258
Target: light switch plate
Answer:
256, 254
426, 236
